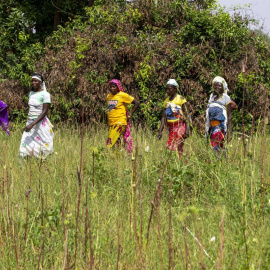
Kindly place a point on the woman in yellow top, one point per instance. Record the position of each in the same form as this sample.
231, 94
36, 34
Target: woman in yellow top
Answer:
176, 114
119, 119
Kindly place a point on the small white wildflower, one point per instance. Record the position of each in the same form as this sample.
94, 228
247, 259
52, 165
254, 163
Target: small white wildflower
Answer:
239, 139
55, 153
246, 140
269, 202
255, 240
231, 145
213, 239
147, 149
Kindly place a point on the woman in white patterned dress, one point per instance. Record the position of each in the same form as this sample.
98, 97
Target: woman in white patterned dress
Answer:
37, 138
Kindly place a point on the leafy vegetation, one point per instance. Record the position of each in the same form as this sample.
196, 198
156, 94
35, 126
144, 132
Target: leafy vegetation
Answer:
102, 209
143, 45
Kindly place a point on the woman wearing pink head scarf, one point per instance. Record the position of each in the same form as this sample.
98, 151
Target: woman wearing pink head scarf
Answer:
119, 119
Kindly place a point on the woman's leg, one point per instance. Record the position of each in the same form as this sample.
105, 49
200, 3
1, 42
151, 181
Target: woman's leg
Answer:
176, 136
114, 135
217, 139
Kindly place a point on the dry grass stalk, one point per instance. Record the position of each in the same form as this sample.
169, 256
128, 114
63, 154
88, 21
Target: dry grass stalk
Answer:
222, 241
79, 173
201, 249
43, 233
140, 201
92, 262
134, 185
185, 229
155, 201
27, 193
170, 231
93, 172
243, 107
65, 265
63, 200
159, 238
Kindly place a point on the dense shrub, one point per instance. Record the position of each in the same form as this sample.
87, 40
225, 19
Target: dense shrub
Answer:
143, 46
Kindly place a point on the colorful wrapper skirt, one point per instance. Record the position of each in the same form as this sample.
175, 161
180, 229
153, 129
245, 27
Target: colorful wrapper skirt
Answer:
115, 133
38, 142
176, 136
217, 138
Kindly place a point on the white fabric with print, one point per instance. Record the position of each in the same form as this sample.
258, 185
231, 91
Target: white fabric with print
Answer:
38, 142
174, 107
36, 101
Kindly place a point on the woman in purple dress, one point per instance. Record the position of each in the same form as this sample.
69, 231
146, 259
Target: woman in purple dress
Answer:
4, 117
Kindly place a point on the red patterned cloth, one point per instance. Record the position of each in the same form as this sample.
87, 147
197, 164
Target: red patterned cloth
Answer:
176, 136
217, 138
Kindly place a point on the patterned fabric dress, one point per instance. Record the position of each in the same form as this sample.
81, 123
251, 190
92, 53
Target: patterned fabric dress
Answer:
38, 142
176, 125
216, 120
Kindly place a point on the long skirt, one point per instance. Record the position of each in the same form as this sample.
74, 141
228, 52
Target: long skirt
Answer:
115, 134
176, 136
38, 142
217, 138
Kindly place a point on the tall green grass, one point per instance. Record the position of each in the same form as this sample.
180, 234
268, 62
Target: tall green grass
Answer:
197, 194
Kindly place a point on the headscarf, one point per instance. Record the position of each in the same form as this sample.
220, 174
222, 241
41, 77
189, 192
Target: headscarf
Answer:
221, 80
40, 78
173, 82
4, 117
118, 84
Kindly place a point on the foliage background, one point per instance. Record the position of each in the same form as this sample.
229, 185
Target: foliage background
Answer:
143, 45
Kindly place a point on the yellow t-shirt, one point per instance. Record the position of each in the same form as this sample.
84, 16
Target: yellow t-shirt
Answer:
117, 108
173, 108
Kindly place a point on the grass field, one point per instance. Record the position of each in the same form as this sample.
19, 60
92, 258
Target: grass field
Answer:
145, 211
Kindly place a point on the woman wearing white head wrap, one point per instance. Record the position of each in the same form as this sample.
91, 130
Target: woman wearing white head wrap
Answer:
37, 139
218, 114
223, 82
225, 88
176, 115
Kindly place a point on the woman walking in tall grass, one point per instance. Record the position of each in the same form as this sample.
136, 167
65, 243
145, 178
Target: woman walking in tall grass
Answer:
37, 138
176, 114
119, 118
4, 123
218, 114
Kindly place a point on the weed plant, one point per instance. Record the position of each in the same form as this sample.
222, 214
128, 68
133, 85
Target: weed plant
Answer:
148, 210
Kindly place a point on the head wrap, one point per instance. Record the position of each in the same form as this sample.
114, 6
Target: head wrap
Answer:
221, 80
40, 78
118, 84
173, 82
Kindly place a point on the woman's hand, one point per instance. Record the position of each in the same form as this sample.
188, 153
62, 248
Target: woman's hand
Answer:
28, 127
